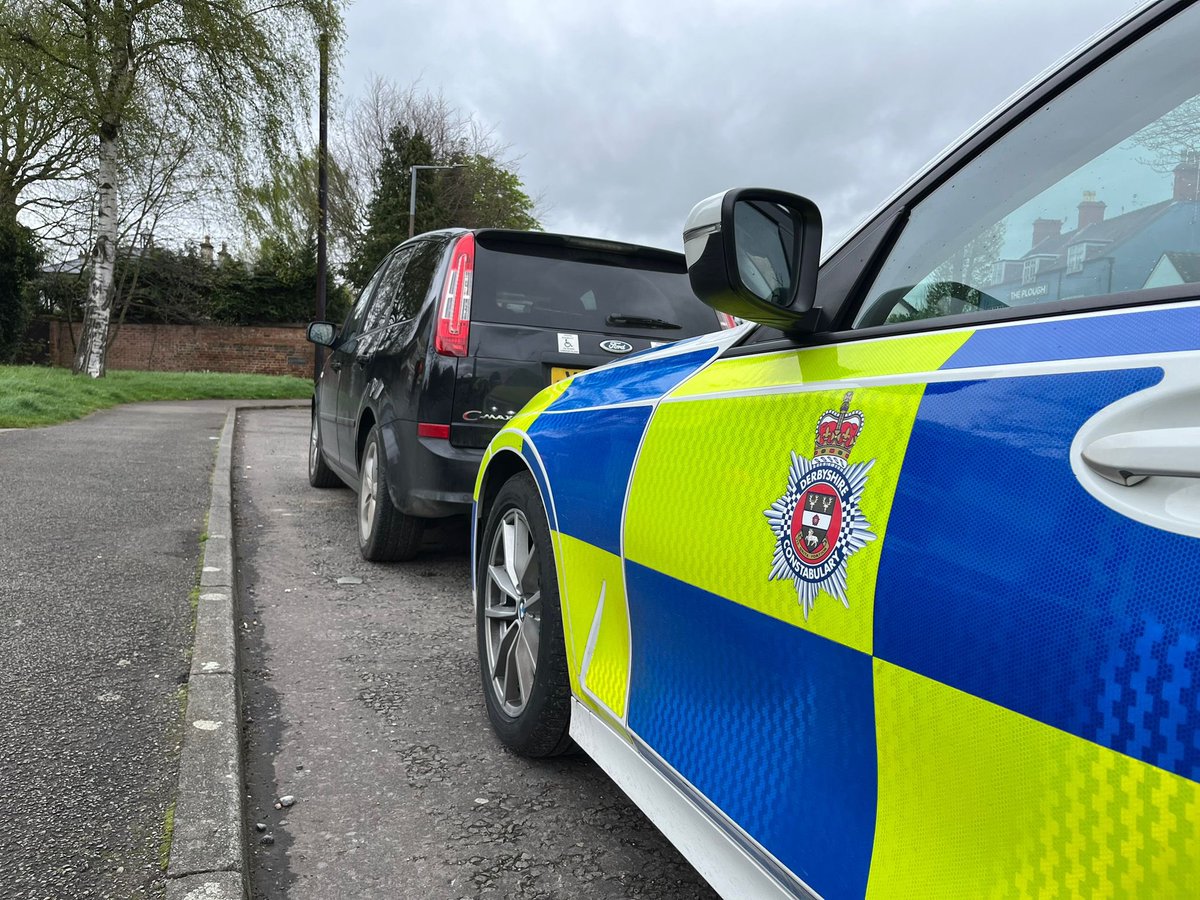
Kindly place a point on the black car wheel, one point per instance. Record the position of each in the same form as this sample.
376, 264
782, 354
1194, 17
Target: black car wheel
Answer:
319, 473
522, 655
384, 533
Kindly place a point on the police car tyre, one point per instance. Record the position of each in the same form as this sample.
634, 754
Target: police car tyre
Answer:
518, 619
319, 473
384, 533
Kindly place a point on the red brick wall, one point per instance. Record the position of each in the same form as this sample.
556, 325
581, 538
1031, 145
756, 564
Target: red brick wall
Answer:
257, 349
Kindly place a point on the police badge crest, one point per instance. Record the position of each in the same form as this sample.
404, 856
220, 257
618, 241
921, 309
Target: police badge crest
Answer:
818, 522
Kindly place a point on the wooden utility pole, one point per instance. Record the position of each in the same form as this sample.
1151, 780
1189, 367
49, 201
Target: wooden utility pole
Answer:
322, 191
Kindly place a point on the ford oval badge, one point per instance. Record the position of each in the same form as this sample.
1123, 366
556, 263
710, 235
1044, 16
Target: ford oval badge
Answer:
616, 346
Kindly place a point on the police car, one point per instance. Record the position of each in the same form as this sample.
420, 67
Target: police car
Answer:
894, 590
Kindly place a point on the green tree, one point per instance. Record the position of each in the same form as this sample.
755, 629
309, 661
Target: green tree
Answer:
278, 287
387, 213
482, 193
42, 143
493, 197
283, 211
18, 266
236, 70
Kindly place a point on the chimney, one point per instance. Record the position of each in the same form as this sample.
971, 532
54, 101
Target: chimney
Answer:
1091, 210
1046, 228
206, 250
1187, 177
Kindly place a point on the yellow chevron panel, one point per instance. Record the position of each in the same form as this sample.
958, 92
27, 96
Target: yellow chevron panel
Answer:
583, 570
508, 439
978, 801
907, 355
606, 674
708, 471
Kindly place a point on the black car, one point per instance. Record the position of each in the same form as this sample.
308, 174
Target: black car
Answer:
454, 332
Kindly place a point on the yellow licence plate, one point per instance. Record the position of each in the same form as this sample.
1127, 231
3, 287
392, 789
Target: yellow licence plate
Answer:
558, 373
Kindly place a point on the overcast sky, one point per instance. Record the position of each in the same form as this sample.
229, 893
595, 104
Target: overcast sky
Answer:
623, 114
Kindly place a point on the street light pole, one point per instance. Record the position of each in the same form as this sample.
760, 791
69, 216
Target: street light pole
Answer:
412, 193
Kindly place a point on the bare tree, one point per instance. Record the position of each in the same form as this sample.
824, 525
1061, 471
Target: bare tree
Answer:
236, 70
368, 128
1173, 138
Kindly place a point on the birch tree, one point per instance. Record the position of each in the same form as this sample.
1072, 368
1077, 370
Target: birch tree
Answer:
236, 70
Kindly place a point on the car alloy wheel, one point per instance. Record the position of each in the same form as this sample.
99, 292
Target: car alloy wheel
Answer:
319, 473
368, 493
314, 446
518, 625
512, 612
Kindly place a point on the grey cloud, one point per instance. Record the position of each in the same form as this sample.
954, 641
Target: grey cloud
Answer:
625, 114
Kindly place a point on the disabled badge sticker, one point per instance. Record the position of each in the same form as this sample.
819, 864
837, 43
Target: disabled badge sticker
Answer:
818, 523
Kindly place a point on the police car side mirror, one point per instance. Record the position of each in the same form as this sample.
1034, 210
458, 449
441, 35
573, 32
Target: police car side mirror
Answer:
754, 253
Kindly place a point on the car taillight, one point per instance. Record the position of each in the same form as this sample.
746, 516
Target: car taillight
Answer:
454, 310
727, 321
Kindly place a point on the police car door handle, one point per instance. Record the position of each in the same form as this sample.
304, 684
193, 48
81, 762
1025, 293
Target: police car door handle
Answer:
1130, 457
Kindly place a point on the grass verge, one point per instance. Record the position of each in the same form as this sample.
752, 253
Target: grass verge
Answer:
36, 395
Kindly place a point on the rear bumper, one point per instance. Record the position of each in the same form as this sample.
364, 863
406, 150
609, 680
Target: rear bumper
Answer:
427, 477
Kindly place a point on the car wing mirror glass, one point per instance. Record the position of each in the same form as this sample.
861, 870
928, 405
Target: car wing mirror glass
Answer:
323, 333
754, 253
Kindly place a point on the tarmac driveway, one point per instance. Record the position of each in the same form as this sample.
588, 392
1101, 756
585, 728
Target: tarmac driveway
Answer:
364, 707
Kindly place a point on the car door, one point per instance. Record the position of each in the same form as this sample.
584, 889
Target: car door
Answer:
912, 602
371, 334
335, 383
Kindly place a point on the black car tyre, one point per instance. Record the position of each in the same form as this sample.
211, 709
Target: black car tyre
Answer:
384, 533
319, 473
518, 623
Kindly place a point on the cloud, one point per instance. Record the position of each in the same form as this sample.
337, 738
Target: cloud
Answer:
624, 114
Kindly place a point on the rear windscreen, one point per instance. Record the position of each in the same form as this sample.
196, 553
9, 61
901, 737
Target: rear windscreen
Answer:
587, 294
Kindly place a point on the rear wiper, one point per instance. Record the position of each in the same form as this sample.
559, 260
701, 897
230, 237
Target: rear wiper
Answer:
640, 322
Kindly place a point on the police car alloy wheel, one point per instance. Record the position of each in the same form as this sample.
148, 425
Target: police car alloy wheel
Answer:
522, 655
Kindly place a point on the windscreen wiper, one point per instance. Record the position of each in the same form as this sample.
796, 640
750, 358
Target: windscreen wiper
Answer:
640, 322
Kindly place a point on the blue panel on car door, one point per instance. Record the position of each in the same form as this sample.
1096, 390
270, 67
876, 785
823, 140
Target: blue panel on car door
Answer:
773, 724
1146, 331
588, 457
1002, 577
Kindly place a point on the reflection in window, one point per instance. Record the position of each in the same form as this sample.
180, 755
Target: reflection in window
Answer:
1096, 193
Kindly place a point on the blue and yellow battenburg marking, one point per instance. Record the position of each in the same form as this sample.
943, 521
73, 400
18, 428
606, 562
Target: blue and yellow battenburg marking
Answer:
998, 695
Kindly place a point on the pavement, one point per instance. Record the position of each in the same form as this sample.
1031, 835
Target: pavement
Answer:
323, 736
100, 530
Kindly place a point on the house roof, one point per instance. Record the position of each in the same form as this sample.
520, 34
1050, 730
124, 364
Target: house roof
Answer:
1186, 264
1110, 231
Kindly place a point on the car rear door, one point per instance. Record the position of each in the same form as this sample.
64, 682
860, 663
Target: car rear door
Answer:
331, 390
372, 334
912, 603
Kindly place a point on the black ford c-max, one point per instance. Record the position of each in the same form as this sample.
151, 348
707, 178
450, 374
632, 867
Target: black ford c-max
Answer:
453, 333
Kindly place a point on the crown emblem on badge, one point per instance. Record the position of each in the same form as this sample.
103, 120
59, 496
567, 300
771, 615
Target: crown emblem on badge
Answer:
837, 431
818, 523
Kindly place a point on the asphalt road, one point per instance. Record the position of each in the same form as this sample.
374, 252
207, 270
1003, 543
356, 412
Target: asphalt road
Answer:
364, 705
99, 541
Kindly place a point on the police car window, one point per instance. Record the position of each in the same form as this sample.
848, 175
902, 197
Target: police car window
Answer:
1094, 194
